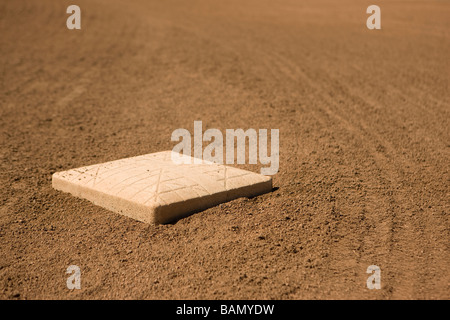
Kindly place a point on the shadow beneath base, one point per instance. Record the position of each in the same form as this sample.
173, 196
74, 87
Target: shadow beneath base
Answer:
192, 213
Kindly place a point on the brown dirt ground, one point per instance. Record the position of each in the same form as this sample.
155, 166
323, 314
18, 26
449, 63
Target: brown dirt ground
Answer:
364, 133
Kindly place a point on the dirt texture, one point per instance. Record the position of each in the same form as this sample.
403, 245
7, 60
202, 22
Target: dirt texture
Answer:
364, 172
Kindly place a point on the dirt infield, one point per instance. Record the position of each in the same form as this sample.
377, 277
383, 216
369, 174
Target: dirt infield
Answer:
364, 146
